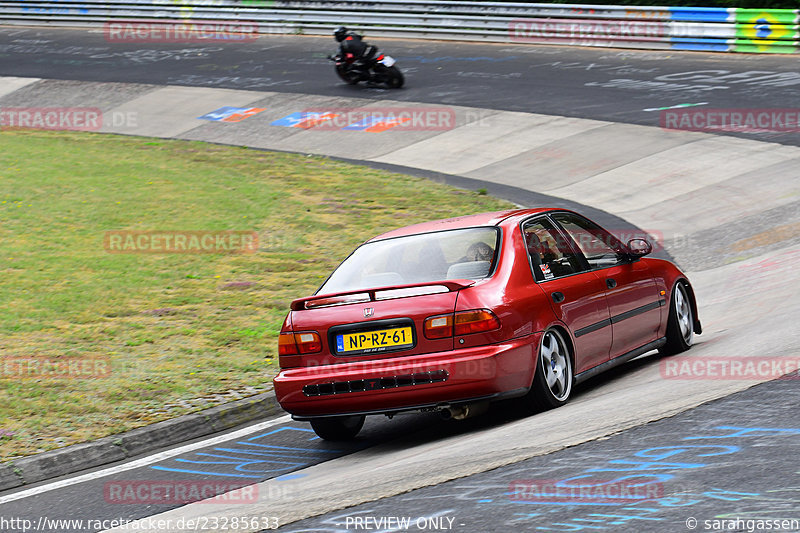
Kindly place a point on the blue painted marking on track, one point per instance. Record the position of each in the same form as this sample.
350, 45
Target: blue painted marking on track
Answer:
292, 120
626, 518
363, 124
233, 460
676, 450
571, 502
302, 119
287, 448
261, 453
289, 477
245, 465
284, 428
746, 432
729, 495
202, 472
223, 113
645, 466
252, 459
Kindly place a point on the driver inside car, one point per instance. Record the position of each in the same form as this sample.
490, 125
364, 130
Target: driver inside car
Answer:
539, 251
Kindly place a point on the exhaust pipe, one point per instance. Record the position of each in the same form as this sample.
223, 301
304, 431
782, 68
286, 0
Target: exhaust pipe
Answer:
461, 412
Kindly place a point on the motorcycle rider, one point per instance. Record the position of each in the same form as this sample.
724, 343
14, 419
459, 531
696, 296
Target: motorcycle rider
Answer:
352, 45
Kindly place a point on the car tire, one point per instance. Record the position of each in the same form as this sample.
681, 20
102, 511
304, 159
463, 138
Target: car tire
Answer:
680, 322
337, 428
553, 379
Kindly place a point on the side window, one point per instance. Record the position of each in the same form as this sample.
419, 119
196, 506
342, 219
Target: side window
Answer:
551, 257
601, 249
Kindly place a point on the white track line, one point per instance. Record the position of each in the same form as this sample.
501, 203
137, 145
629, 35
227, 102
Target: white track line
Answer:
144, 461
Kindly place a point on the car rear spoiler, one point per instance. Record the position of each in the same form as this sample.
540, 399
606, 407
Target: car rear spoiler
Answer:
380, 293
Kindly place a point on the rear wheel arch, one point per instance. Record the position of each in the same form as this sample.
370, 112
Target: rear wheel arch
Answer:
567, 335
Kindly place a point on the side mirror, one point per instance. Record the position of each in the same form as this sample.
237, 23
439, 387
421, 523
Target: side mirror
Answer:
639, 248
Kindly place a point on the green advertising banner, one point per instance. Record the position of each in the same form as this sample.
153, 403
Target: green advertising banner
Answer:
766, 31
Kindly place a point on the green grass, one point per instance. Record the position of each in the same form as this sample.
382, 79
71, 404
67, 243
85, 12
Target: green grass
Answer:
176, 328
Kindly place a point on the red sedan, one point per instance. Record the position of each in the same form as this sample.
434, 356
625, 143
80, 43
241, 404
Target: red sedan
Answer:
453, 314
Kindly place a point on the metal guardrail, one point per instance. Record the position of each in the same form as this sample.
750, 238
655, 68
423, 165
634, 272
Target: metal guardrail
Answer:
674, 28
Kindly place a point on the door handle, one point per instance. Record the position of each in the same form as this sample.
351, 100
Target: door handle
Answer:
611, 283
558, 297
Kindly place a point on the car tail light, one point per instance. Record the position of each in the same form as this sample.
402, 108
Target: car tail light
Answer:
299, 343
476, 321
439, 327
461, 323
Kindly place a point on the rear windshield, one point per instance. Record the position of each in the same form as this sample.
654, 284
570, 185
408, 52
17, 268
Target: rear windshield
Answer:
455, 254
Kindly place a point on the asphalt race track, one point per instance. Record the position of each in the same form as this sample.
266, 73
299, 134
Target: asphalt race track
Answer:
616, 85
262, 453
728, 209
670, 464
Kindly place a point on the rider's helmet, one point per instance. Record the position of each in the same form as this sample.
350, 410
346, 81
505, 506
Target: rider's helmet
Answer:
340, 33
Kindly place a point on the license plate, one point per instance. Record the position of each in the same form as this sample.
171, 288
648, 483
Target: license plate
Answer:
374, 341
388, 61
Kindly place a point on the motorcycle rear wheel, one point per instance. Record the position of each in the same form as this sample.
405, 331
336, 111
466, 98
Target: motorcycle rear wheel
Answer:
394, 78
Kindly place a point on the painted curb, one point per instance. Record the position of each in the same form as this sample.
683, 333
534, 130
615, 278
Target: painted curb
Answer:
71, 459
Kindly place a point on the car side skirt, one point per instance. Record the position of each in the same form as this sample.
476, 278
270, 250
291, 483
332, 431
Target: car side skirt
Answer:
586, 374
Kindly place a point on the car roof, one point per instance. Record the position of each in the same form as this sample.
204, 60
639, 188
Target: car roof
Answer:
467, 221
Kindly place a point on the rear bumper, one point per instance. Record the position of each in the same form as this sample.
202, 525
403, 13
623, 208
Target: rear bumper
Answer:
405, 383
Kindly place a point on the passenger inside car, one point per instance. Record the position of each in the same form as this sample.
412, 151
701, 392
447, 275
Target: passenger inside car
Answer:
478, 251
476, 262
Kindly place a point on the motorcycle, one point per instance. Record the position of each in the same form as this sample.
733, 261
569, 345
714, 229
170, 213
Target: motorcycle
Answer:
381, 70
